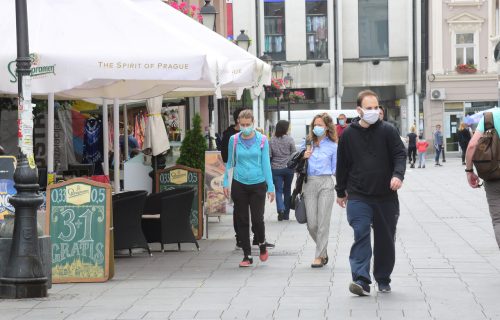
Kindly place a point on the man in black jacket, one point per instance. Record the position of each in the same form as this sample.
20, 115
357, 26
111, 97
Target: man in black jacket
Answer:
371, 163
231, 130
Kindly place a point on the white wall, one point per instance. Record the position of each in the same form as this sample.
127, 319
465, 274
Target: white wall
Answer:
244, 19
399, 21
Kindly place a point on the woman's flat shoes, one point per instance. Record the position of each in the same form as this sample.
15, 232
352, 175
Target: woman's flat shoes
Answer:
317, 265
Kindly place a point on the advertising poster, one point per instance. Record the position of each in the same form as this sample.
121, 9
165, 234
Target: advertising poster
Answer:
7, 190
216, 203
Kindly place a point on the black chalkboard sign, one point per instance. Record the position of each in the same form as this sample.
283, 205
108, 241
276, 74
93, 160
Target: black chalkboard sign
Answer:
182, 176
79, 223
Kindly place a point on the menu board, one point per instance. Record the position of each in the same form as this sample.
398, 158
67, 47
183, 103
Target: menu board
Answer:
182, 176
78, 221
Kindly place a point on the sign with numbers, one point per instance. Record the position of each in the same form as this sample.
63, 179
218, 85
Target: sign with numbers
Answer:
79, 223
182, 176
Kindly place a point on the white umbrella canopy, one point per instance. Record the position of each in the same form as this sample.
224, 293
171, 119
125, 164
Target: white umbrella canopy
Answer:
105, 49
241, 69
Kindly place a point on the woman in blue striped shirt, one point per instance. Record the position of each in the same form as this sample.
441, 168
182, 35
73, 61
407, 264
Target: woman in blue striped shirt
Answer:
248, 155
319, 189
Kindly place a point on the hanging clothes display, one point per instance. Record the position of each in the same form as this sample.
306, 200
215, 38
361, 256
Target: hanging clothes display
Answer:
139, 128
93, 144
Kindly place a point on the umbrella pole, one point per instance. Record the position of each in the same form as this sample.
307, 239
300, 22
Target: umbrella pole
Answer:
116, 142
125, 134
105, 128
50, 134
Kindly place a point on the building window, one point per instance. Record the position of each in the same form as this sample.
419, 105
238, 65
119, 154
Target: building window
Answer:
316, 29
373, 28
464, 48
274, 29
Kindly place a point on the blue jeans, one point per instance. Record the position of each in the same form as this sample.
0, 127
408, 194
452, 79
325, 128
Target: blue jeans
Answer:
282, 179
382, 216
438, 152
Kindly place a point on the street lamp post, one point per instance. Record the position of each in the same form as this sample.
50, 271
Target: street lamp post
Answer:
24, 276
209, 14
277, 73
288, 80
243, 41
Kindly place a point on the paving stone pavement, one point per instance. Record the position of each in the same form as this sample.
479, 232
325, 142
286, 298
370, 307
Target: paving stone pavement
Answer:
448, 267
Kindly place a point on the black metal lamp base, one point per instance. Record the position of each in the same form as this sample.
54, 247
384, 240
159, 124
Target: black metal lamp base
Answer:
36, 288
24, 276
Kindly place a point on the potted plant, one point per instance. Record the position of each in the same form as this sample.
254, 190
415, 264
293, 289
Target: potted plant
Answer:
466, 68
296, 96
194, 146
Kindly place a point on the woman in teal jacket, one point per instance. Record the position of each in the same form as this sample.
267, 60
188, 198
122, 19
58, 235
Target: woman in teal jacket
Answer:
248, 157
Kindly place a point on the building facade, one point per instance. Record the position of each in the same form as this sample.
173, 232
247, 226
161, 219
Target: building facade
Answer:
462, 75
334, 48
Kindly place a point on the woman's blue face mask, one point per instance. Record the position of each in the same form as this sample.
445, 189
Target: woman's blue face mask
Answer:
246, 131
319, 131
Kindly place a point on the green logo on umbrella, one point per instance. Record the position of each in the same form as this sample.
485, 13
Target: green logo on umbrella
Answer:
36, 70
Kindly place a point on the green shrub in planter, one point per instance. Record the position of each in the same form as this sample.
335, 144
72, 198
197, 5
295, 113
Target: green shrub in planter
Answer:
193, 147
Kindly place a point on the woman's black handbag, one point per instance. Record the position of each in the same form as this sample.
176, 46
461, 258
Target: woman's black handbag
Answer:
300, 209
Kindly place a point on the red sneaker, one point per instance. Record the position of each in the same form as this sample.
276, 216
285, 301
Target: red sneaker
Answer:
246, 262
263, 252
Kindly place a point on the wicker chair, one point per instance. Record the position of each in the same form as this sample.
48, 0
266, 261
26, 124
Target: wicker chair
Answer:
127, 212
169, 222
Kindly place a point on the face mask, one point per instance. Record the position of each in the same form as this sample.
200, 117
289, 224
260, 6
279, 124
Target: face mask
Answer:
370, 116
319, 131
247, 130
341, 122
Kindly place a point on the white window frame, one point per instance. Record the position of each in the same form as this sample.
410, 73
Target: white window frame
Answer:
464, 46
465, 23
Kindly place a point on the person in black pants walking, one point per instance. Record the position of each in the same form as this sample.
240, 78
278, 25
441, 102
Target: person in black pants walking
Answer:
226, 135
370, 169
252, 177
412, 146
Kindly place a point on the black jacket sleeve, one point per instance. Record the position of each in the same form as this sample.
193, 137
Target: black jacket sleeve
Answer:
342, 169
224, 145
398, 153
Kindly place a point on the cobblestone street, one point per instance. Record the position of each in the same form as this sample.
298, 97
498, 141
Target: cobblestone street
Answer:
447, 267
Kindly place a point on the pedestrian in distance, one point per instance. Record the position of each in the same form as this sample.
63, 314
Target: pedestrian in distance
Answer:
492, 187
282, 146
411, 138
370, 169
319, 186
422, 146
226, 135
381, 113
342, 124
248, 156
438, 145
464, 136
